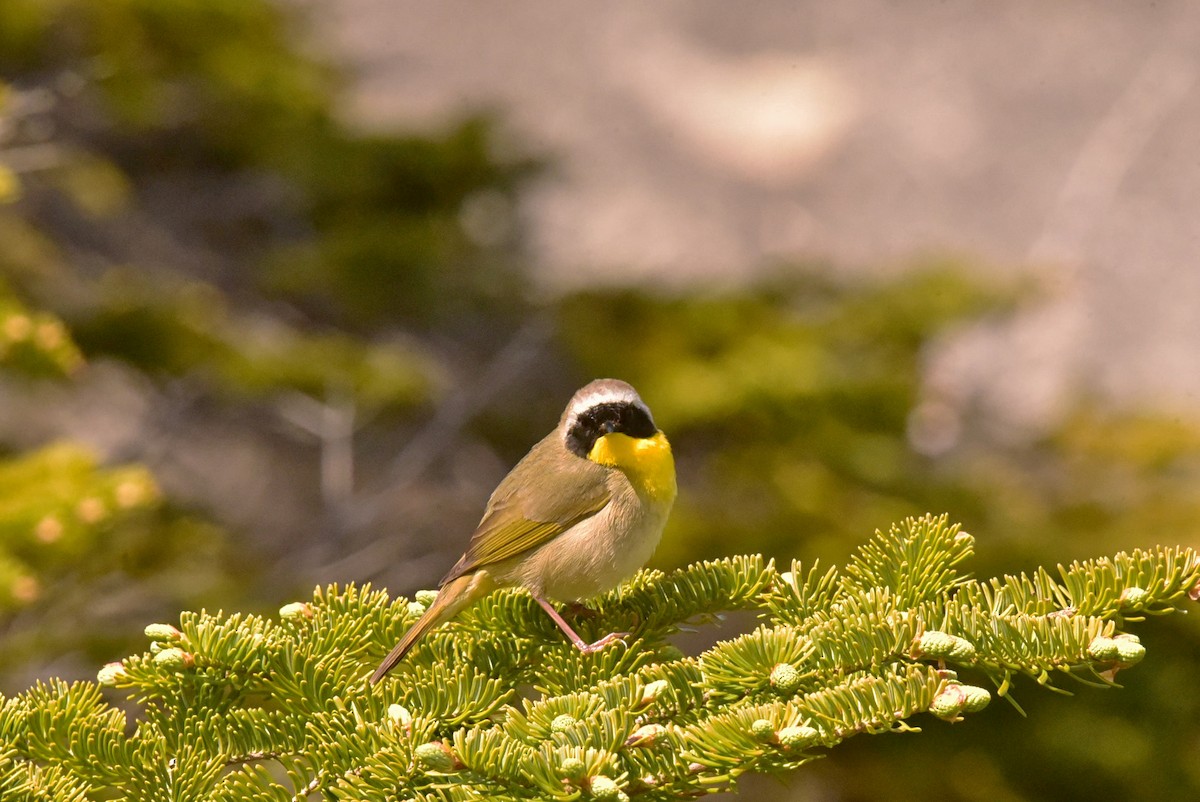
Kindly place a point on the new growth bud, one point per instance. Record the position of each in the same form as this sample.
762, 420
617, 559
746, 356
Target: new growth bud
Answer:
1124, 649
434, 756
1130, 650
645, 735
163, 633
797, 738
174, 659
949, 702
652, 691
563, 722
604, 788
945, 646
110, 674
296, 611
762, 729
572, 768
670, 653
976, 698
955, 698
1134, 597
785, 679
1102, 649
400, 715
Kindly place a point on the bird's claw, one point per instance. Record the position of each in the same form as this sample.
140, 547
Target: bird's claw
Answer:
604, 642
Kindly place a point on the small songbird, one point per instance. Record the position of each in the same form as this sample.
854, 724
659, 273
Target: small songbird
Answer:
582, 511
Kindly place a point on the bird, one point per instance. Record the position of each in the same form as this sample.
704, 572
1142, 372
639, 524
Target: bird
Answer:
577, 515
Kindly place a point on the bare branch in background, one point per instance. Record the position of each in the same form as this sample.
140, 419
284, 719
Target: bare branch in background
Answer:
1112, 148
509, 364
437, 436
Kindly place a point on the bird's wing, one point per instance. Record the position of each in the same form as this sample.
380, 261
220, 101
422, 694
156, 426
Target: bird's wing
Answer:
521, 517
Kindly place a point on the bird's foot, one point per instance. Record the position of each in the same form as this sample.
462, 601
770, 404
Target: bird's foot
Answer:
603, 643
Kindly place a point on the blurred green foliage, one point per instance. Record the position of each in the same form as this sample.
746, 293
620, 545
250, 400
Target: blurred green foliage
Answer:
407, 230
34, 343
187, 328
187, 78
209, 112
81, 545
56, 505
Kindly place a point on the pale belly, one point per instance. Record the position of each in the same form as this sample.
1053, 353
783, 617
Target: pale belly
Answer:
592, 557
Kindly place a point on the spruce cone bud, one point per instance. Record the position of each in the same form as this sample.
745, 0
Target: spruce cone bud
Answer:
1134, 597
604, 788
976, 698
164, 633
434, 756
652, 691
963, 651
425, 597
296, 611
946, 647
935, 644
785, 678
1130, 650
762, 729
645, 735
949, 702
796, 738
416, 609
563, 722
1102, 649
572, 768
174, 659
400, 715
110, 673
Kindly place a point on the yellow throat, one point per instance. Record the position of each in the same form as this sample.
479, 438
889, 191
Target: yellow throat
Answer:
647, 461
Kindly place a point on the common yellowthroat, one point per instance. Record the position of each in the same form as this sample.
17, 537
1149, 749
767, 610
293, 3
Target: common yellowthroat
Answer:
582, 511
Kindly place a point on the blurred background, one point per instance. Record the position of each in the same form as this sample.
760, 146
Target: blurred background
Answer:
286, 288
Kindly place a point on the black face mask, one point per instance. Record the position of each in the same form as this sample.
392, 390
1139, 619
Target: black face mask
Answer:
617, 416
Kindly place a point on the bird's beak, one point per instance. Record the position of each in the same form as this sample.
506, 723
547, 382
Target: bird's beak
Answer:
609, 427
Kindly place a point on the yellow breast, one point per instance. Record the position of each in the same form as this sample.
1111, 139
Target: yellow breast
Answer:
647, 461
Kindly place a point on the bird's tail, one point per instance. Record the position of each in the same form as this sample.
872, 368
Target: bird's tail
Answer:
453, 596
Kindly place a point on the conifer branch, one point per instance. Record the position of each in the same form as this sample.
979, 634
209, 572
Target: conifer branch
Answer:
238, 707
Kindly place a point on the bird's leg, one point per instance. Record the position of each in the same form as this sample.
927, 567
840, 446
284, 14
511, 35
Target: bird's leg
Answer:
586, 648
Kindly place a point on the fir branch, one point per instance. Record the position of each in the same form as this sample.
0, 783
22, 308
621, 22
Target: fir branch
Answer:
497, 705
915, 560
